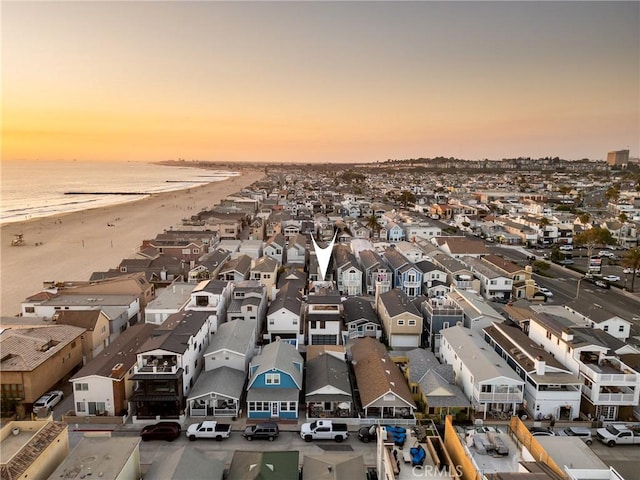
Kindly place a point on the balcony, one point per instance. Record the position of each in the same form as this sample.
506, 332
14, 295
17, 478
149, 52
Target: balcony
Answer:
498, 397
608, 372
153, 364
610, 396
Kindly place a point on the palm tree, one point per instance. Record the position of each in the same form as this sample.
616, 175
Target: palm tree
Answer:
631, 259
374, 224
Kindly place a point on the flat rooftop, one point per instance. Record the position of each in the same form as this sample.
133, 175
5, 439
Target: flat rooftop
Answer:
488, 462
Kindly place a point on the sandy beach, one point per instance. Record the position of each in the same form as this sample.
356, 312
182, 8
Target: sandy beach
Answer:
71, 247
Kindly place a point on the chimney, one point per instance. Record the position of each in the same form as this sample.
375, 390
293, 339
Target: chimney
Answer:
116, 370
539, 364
567, 335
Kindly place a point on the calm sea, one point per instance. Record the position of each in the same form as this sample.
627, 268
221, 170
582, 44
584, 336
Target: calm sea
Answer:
37, 189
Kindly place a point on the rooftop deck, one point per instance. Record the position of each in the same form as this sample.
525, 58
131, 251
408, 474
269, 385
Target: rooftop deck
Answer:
491, 448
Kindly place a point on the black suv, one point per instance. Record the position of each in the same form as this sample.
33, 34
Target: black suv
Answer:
262, 430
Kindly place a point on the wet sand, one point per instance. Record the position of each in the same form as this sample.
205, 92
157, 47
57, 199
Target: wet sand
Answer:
72, 246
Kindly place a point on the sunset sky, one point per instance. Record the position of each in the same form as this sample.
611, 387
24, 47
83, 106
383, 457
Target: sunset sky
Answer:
319, 81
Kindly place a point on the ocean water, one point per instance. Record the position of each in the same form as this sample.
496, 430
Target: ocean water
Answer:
37, 188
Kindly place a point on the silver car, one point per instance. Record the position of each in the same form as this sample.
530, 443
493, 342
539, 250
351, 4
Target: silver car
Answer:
48, 401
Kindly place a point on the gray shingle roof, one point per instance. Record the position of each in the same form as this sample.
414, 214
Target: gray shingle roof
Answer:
327, 370
396, 302
225, 381
236, 336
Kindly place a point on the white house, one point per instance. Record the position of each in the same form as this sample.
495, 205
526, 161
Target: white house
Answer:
296, 250
168, 364
611, 388
104, 385
168, 301
551, 389
324, 318
485, 378
211, 296
493, 282
421, 230
283, 315
232, 346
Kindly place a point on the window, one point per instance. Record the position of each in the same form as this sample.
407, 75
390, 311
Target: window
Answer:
412, 323
445, 324
30, 309
493, 282
12, 390
548, 335
621, 328
485, 388
96, 407
80, 407
606, 328
82, 387
400, 323
272, 379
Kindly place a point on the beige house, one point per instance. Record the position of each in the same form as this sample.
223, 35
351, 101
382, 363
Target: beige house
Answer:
96, 324
35, 359
401, 320
125, 284
265, 271
20, 458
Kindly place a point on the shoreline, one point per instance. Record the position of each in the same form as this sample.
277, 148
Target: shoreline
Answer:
73, 245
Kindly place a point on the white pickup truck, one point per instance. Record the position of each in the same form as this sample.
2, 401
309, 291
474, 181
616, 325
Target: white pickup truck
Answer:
324, 430
614, 435
209, 429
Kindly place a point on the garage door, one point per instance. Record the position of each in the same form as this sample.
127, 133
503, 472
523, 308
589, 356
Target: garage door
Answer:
405, 340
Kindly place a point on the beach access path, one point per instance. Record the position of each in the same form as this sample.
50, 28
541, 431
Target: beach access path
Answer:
72, 246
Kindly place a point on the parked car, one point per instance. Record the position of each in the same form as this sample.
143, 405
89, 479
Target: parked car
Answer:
545, 291
606, 253
542, 432
48, 400
566, 247
582, 432
566, 261
267, 431
611, 278
627, 270
168, 431
209, 429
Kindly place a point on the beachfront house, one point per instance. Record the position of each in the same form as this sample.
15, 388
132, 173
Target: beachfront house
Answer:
275, 382
121, 310
104, 386
168, 301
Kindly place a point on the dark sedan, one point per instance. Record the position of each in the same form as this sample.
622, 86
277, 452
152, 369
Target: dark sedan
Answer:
168, 431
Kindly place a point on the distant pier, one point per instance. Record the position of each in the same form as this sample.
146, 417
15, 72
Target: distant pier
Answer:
106, 193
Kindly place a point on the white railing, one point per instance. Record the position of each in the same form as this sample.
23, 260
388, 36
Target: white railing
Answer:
615, 398
598, 377
157, 369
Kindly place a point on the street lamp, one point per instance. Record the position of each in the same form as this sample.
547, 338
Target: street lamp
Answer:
578, 289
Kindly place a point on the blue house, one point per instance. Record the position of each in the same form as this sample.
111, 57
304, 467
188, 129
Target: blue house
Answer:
275, 382
406, 276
